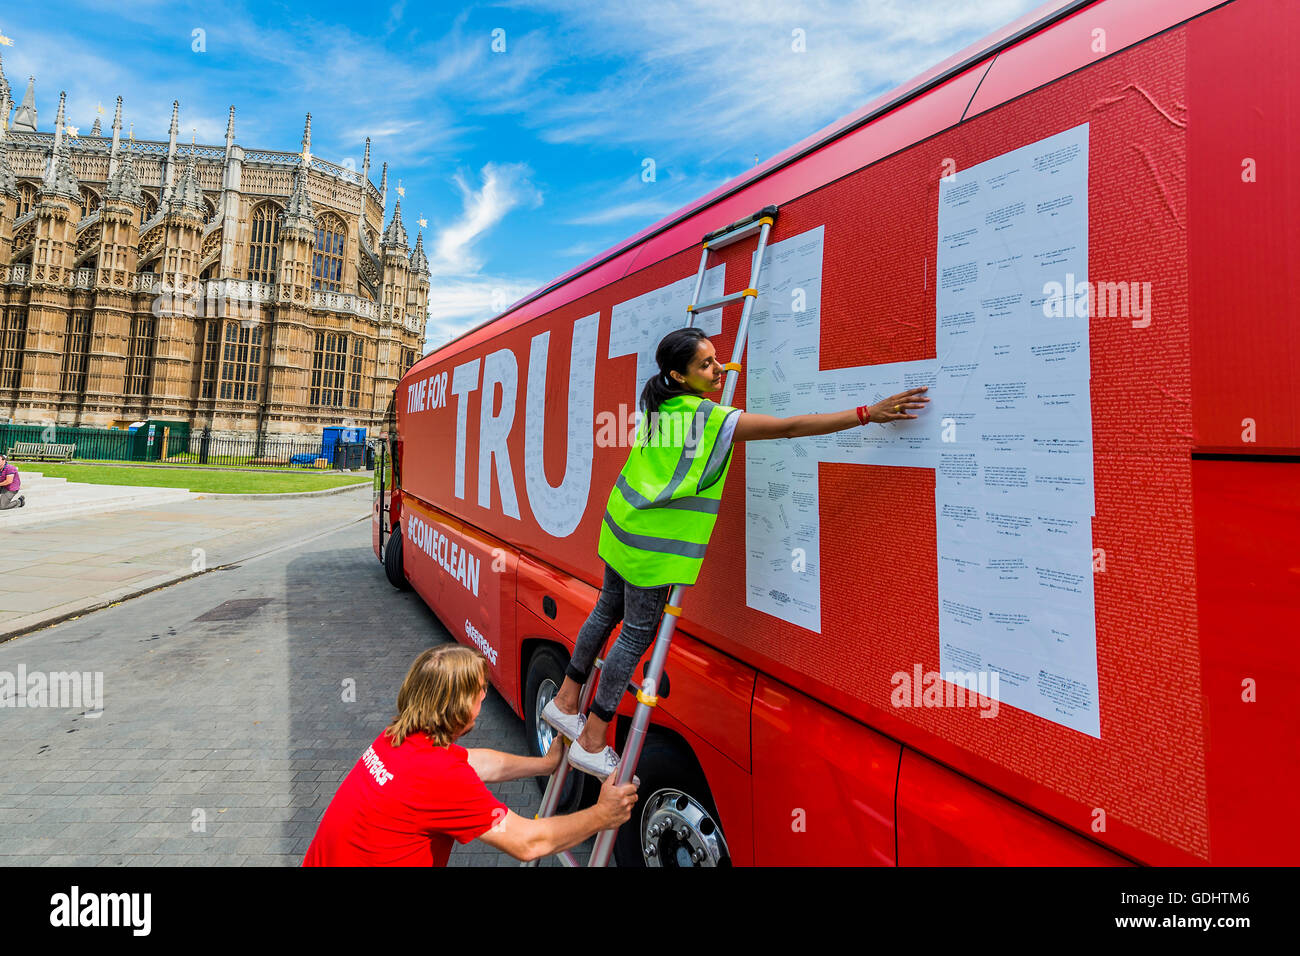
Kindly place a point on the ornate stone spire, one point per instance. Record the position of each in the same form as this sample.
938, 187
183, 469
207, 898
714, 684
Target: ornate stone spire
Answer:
94, 130
383, 189
298, 213
305, 155
59, 179
25, 115
124, 184
365, 164
168, 177
4, 85
8, 182
419, 262
395, 234
188, 195
230, 131
117, 136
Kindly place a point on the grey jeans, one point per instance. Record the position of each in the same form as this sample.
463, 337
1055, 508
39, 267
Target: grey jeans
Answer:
9, 499
639, 609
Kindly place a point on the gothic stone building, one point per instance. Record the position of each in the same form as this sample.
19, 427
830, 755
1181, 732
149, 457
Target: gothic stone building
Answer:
247, 291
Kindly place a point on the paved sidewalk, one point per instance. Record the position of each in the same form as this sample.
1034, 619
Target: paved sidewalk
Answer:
52, 570
233, 704
53, 499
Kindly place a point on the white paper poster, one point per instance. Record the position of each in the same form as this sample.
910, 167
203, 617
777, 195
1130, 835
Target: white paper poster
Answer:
1008, 431
1014, 481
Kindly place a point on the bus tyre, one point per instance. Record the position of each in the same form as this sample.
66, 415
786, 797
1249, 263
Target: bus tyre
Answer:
393, 562
545, 675
674, 822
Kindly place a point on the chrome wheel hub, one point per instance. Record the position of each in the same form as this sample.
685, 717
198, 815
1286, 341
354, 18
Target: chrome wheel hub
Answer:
677, 832
545, 732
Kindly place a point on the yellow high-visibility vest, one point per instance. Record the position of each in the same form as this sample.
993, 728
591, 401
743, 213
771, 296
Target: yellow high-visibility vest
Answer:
662, 509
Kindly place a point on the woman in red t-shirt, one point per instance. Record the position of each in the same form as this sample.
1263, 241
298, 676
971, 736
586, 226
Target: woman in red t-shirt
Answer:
415, 790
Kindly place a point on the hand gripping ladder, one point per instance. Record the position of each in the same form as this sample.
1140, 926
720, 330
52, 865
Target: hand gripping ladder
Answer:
760, 222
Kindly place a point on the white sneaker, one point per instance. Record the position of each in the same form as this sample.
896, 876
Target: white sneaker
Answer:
599, 765
568, 724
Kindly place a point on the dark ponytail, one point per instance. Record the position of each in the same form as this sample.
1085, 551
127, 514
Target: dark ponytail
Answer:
675, 353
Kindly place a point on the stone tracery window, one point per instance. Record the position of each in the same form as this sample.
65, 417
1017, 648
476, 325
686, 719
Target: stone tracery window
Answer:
13, 337
354, 383
139, 355
241, 362
148, 209
327, 260
89, 201
76, 347
28, 197
329, 364
263, 244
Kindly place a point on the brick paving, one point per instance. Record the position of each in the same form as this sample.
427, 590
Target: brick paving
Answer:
221, 740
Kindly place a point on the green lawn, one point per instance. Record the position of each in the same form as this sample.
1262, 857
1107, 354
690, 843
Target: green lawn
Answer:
195, 479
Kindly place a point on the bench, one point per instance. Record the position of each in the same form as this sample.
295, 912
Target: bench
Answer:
40, 451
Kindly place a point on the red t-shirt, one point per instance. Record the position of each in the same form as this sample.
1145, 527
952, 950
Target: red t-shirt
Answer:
402, 806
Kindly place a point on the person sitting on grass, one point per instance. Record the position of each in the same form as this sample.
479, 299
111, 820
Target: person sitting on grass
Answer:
9, 485
415, 790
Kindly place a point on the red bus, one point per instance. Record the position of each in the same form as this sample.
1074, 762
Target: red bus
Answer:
1082, 232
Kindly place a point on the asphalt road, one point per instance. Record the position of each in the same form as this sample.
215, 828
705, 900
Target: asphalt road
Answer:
224, 731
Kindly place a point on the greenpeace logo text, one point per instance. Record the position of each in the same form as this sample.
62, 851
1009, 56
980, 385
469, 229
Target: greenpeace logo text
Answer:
479, 641
376, 766
102, 909
953, 689
60, 689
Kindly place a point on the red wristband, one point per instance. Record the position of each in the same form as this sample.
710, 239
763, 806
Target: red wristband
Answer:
864, 414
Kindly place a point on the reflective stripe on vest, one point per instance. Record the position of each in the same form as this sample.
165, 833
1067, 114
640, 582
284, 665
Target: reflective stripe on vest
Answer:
663, 507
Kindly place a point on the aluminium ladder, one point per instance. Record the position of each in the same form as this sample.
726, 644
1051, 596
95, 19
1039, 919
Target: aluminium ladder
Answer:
760, 222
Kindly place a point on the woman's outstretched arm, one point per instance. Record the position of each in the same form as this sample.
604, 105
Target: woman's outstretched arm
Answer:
751, 427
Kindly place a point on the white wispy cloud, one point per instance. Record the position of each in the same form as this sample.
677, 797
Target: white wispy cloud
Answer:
461, 295
503, 187
713, 75
644, 209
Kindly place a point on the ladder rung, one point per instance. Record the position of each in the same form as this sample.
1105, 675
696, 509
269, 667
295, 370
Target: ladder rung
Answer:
740, 229
733, 297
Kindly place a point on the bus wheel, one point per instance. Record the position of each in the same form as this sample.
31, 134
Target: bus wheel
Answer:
545, 674
674, 823
393, 562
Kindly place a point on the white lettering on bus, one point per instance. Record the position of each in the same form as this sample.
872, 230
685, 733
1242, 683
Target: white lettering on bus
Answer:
559, 510
455, 559
478, 640
427, 393
464, 379
499, 368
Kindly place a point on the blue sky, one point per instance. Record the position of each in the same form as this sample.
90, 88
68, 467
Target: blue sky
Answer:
525, 161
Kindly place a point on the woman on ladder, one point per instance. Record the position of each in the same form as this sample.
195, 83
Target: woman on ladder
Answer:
659, 517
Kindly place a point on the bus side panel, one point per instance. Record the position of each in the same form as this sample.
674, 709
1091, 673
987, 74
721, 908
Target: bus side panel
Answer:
1244, 227
945, 819
468, 580
730, 785
823, 784
1248, 566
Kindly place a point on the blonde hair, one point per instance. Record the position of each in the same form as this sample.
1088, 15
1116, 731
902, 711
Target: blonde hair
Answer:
439, 694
